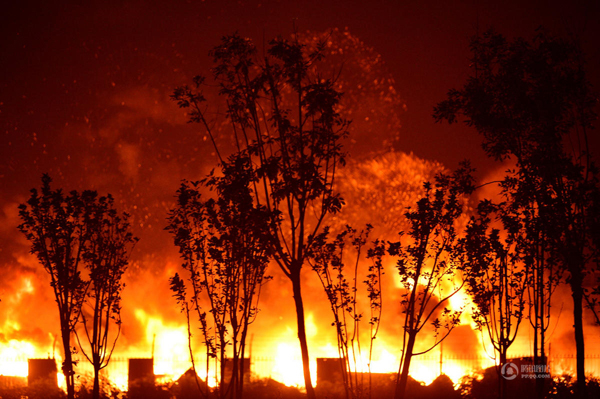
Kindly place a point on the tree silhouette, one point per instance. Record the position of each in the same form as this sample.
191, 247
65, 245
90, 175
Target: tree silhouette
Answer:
283, 115
527, 224
53, 223
223, 243
533, 103
328, 259
429, 265
105, 254
497, 283
70, 233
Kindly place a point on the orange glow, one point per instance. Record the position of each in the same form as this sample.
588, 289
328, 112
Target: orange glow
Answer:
172, 356
14, 355
166, 338
288, 365
170, 342
422, 373
167, 341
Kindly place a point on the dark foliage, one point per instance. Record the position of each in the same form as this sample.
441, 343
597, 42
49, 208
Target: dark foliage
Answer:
329, 259
223, 242
497, 282
531, 102
430, 264
483, 385
83, 244
283, 116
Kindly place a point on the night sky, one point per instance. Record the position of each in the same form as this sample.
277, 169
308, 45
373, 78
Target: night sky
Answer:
65, 65
85, 86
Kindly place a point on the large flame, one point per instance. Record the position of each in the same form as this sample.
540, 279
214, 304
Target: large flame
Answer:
153, 326
166, 340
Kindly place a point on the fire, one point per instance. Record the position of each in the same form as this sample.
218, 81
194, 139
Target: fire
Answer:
169, 342
14, 353
454, 371
166, 340
170, 349
171, 354
26, 288
385, 363
288, 365
14, 356
422, 373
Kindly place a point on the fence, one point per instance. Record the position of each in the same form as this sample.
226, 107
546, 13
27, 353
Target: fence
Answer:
425, 368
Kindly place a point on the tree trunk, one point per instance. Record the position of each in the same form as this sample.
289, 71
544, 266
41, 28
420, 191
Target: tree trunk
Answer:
402, 382
240, 390
222, 382
96, 391
539, 343
577, 294
232, 384
541, 382
310, 392
67, 366
539, 360
501, 377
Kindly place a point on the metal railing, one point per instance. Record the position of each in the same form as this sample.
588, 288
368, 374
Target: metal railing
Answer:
265, 367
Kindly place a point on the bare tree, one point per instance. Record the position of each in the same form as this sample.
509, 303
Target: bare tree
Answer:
283, 115
429, 265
